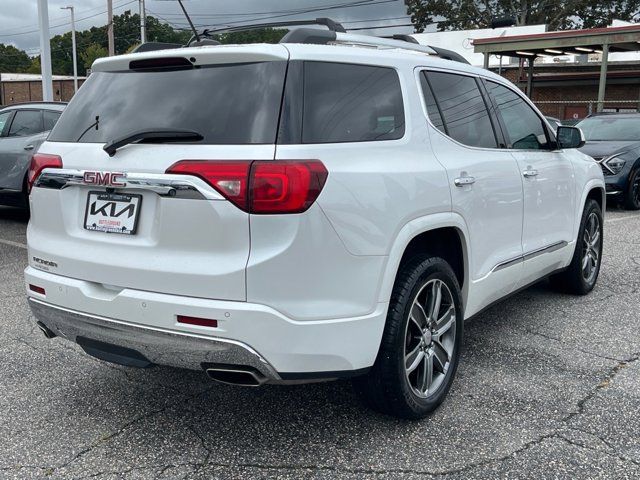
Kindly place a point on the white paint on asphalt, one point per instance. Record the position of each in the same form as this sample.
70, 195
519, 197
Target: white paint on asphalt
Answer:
619, 219
13, 244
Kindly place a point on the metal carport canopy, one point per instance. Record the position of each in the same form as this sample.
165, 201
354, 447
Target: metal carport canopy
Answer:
575, 42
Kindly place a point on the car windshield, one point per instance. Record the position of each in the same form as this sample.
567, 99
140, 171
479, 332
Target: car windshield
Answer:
611, 128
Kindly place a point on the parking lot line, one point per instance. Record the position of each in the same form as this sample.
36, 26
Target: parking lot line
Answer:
13, 244
618, 219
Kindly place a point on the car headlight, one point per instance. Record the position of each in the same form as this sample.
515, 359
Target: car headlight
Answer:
614, 163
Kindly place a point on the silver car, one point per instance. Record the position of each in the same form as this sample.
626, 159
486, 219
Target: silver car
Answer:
23, 128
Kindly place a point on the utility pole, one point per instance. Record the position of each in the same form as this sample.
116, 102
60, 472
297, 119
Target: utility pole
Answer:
73, 48
112, 51
45, 51
143, 23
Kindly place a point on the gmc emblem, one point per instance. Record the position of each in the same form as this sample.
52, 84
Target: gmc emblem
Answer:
107, 179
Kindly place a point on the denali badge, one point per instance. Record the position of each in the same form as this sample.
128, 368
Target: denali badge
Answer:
44, 263
107, 179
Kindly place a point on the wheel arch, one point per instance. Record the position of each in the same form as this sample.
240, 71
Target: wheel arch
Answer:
444, 235
593, 190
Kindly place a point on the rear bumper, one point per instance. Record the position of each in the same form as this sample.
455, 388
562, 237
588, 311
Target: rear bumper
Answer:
159, 346
253, 335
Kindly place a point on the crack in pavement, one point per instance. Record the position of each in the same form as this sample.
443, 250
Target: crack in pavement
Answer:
105, 439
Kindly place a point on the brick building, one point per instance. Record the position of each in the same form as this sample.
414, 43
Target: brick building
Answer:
25, 87
570, 90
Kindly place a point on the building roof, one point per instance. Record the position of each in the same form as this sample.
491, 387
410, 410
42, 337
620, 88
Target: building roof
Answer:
31, 77
577, 42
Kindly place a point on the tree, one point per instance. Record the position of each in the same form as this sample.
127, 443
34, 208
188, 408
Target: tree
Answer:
92, 53
258, 35
13, 60
92, 44
35, 66
557, 14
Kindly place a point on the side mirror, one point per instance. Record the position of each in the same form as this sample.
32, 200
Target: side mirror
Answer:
570, 137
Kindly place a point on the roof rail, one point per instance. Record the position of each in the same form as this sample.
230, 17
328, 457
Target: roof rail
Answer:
405, 42
332, 25
335, 33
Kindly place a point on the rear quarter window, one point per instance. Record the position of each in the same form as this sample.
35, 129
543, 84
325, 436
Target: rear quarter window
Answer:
351, 103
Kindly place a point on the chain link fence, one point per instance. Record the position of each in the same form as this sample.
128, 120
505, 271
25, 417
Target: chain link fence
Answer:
577, 109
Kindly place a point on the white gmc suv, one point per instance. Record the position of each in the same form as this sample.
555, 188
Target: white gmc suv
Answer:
302, 211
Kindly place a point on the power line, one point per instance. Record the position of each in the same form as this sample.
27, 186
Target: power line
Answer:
382, 26
273, 12
65, 23
290, 13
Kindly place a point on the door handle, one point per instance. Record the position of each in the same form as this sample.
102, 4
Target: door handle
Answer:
530, 172
464, 180
28, 147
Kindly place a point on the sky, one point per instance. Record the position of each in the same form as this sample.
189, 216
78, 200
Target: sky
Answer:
19, 18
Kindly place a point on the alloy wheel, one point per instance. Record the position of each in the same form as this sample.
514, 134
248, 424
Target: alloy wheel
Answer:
591, 248
430, 338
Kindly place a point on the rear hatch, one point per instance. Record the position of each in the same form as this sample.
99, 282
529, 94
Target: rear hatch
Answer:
120, 220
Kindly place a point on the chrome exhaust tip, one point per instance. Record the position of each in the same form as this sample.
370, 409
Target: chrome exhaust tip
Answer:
45, 330
240, 376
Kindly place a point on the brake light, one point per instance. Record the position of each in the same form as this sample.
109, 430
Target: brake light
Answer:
262, 187
39, 162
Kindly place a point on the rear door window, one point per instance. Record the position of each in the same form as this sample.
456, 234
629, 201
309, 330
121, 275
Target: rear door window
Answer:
351, 103
231, 104
456, 107
26, 122
4, 122
50, 118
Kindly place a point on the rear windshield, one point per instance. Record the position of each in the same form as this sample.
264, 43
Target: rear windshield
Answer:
231, 104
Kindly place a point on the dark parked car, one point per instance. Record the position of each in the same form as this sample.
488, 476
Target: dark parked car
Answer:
614, 141
23, 128
554, 122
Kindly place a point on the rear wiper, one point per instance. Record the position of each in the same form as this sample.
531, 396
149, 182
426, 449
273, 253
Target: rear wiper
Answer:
157, 135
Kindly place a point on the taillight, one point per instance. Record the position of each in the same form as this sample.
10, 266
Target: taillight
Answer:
229, 178
39, 162
282, 186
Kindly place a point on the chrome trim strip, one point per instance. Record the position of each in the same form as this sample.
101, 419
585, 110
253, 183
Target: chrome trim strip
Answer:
548, 249
159, 345
530, 255
165, 185
508, 263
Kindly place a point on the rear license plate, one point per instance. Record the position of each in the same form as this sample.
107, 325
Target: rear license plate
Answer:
112, 212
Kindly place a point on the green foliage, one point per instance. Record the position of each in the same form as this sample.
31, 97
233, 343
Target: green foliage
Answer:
92, 53
557, 14
13, 60
92, 44
260, 35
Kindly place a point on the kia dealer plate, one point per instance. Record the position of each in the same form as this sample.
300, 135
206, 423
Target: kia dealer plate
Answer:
112, 212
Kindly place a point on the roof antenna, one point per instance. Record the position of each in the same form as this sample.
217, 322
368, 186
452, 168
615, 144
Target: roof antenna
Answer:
195, 32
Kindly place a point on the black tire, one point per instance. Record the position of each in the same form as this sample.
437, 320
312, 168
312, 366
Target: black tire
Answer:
573, 279
632, 194
387, 387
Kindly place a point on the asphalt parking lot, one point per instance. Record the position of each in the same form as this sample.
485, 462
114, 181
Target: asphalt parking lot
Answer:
548, 387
